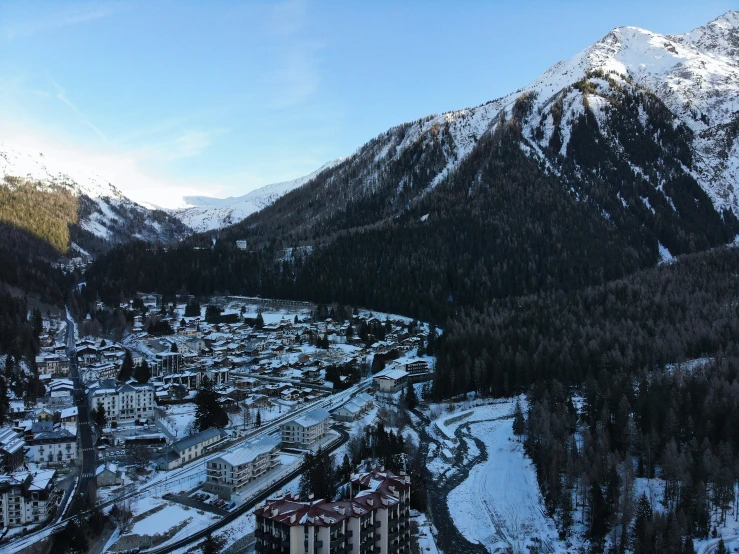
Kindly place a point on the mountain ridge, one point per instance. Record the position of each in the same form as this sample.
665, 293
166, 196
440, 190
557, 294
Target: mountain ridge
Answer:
105, 215
204, 213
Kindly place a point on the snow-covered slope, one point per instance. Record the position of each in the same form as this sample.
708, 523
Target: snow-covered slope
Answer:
104, 211
203, 213
696, 75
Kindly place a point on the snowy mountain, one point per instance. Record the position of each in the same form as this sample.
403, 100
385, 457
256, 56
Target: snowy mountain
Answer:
660, 111
105, 216
203, 213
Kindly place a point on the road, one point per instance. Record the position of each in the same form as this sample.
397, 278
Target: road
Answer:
84, 429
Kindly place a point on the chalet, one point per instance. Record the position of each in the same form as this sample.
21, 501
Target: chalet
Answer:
27, 498
107, 475
354, 409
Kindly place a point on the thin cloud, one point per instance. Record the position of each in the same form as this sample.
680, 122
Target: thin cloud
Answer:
187, 145
57, 20
296, 74
61, 95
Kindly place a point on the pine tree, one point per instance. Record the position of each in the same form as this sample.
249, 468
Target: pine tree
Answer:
4, 400
208, 411
519, 423
142, 373
212, 545
126, 371
721, 548
38, 323
98, 416
411, 400
258, 420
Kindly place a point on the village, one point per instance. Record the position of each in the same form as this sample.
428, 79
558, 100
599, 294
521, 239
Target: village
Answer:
289, 377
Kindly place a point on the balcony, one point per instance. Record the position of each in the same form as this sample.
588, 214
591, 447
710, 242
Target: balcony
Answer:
377, 524
364, 532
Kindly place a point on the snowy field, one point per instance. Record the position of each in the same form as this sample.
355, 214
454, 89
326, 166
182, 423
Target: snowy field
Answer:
179, 419
499, 504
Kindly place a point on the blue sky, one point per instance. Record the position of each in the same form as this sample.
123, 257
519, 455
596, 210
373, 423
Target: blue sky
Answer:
218, 98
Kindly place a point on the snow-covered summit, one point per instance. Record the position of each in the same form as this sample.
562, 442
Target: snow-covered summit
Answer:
696, 75
203, 213
44, 169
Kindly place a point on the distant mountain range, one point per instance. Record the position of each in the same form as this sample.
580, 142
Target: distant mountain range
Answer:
107, 217
203, 213
612, 161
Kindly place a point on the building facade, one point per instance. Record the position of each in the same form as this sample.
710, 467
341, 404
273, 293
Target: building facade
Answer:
54, 446
124, 402
189, 448
376, 520
233, 471
304, 431
12, 449
26, 498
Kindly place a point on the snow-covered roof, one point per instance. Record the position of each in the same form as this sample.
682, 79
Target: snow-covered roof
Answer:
312, 417
249, 451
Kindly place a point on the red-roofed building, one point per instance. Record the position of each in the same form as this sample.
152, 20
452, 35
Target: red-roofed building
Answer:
376, 520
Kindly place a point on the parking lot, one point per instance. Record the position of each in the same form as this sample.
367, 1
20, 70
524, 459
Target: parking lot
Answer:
203, 501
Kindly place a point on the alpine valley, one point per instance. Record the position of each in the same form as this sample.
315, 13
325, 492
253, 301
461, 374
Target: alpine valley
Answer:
575, 242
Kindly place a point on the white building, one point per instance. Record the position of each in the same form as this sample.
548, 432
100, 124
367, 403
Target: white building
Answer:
124, 402
232, 471
26, 498
391, 380
54, 446
305, 430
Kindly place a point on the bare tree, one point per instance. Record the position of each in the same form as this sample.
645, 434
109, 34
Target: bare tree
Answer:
141, 455
121, 514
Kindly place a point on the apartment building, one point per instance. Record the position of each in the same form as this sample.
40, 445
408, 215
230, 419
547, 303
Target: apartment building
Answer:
26, 498
304, 431
376, 520
124, 402
234, 470
166, 363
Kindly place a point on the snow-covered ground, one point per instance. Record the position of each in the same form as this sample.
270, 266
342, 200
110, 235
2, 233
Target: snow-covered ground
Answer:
499, 504
179, 419
426, 532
